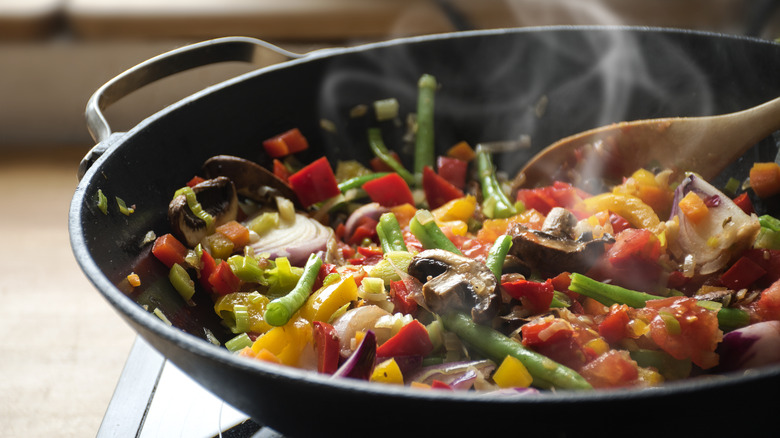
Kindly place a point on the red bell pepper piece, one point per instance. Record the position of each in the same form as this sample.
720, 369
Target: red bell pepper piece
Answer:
326, 341
169, 250
223, 281
208, 266
438, 191
389, 190
378, 165
315, 182
454, 170
743, 201
438, 384
769, 260
280, 170
534, 295
286, 143
411, 340
619, 223
743, 273
365, 229
195, 181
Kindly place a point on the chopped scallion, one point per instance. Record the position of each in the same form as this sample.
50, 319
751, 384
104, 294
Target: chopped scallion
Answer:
238, 343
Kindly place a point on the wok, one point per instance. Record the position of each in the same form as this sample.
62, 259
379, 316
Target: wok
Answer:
496, 85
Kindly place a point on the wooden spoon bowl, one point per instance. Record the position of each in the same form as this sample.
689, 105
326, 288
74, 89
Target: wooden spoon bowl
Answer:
705, 145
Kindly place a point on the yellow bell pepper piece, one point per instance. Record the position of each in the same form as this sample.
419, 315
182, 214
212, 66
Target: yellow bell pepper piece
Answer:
388, 372
631, 208
327, 300
512, 374
460, 209
286, 342
255, 303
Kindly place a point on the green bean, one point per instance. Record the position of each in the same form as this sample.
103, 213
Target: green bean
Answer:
497, 255
280, 310
424, 228
358, 181
424, 139
546, 373
608, 294
390, 235
495, 202
377, 145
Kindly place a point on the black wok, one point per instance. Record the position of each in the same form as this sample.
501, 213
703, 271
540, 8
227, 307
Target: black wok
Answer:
492, 86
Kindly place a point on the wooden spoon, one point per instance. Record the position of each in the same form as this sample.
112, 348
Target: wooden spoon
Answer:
705, 145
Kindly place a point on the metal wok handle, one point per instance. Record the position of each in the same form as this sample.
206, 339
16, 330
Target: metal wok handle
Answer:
213, 51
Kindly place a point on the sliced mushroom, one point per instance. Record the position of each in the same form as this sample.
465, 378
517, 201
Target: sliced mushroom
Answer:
251, 179
559, 222
216, 196
454, 282
552, 254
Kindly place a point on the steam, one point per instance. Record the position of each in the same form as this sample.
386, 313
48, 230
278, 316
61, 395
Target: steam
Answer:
491, 86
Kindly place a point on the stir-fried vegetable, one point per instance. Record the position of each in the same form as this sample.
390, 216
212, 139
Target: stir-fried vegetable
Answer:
431, 279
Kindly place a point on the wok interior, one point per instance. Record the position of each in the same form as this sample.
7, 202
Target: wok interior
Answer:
495, 86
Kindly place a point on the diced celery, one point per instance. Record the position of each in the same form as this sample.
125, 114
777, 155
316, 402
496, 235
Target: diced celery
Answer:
181, 281
123, 208
247, 269
386, 109
238, 343
102, 203
731, 187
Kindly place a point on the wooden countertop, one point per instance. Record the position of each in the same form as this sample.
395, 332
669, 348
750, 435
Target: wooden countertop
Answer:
63, 346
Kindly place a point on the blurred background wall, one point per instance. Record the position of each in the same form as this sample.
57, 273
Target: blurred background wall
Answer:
55, 53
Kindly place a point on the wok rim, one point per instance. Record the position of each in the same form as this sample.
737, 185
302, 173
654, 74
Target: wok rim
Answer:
135, 314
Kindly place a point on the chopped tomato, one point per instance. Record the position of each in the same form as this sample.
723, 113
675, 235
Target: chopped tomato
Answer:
438, 191
544, 199
554, 338
389, 191
612, 369
315, 182
534, 295
768, 305
613, 327
169, 250
634, 247
685, 330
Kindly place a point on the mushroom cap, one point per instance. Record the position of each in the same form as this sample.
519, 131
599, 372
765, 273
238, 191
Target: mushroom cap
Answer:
455, 282
552, 254
251, 180
216, 196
